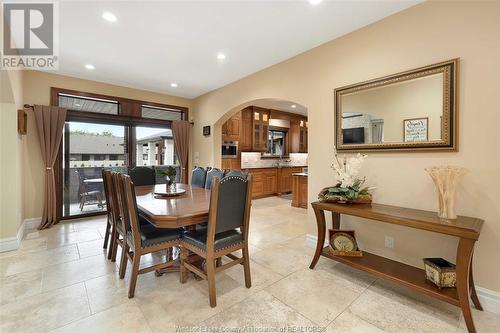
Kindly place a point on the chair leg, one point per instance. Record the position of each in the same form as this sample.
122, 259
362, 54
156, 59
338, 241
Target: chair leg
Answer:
115, 247
218, 262
133, 276
82, 202
123, 261
183, 271
246, 266
107, 234
113, 243
210, 262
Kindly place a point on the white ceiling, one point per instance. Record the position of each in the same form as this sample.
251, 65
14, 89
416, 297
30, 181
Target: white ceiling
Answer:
155, 43
282, 105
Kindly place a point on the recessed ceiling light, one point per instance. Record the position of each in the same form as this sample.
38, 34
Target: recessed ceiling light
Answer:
173, 85
221, 56
293, 106
108, 16
315, 2
89, 66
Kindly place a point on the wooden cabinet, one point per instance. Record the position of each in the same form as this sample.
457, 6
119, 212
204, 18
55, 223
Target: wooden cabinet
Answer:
231, 164
260, 130
285, 179
299, 191
264, 182
246, 126
298, 135
231, 128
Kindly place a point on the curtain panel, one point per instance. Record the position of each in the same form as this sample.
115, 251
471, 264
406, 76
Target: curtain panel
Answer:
49, 123
180, 130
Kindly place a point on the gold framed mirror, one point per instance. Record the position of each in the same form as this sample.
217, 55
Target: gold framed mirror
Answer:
409, 111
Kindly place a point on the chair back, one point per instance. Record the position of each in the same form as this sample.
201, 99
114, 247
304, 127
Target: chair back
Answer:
82, 187
214, 172
236, 173
198, 177
107, 184
230, 202
143, 175
112, 202
128, 200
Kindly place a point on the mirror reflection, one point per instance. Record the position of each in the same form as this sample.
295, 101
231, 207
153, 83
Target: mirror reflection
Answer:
407, 111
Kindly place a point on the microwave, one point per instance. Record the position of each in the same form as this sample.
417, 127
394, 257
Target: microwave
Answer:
230, 149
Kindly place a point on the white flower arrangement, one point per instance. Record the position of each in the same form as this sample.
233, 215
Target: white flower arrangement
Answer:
349, 184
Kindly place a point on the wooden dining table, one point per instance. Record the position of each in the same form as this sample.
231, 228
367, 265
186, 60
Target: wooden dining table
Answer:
185, 210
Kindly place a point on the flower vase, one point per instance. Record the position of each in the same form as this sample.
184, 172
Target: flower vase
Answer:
446, 179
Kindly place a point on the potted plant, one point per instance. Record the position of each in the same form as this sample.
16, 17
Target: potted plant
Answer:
349, 187
169, 173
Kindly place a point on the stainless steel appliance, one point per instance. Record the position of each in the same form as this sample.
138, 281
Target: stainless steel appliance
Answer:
230, 149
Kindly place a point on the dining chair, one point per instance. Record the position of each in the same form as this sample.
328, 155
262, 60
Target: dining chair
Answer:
227, 232
140, 240
236, 173
213, 172
117, 233
109, 223
86, 194
198, 177
143, 175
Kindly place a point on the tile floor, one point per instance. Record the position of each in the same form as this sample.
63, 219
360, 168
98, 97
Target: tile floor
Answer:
60, 281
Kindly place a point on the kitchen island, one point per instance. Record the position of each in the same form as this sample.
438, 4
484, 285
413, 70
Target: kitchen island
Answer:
299, 189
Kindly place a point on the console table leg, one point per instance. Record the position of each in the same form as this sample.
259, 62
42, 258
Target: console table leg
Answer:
464, 257
320, 221
472, 287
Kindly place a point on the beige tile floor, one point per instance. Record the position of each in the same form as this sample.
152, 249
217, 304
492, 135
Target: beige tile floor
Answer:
60, 281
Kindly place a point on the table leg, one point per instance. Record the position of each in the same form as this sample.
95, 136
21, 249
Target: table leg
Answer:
320, 221
335, 220
464, 258
472, 287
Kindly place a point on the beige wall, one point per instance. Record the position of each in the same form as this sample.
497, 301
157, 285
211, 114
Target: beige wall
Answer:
36, 89
10, 156
419, 98
425, 34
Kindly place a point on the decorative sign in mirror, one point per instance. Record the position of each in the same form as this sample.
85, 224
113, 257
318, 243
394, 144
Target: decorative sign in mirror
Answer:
413, 110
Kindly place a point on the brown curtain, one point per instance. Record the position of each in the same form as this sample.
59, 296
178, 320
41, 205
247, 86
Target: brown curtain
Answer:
50, 124
180, 131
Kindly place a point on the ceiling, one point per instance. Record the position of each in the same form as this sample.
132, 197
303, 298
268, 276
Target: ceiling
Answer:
281, 105
153, 44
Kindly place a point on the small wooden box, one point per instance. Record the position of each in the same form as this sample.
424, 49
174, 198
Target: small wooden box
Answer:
440, 272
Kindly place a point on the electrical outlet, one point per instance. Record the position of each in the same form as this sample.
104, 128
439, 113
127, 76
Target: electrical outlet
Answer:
389, 242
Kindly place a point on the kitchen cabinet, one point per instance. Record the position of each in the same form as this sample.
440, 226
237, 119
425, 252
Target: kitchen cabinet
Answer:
299, 191
285, 179
246, 126
231, 164
260, 131
231, 128
298, 135
264, 182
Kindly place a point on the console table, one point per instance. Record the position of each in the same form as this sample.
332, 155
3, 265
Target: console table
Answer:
467, 229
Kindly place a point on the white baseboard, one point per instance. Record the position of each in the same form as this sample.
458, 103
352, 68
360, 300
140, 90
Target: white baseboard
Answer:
490, 300
12, 243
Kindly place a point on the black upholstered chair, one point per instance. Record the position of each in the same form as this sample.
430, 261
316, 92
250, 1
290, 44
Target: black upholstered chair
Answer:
198, 177
236, 173
227, 232
213, 172
140, 239
143, 175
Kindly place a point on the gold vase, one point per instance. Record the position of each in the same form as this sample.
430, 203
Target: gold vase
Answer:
446, 179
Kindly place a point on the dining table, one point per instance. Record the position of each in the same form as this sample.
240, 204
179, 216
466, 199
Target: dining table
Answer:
182, 211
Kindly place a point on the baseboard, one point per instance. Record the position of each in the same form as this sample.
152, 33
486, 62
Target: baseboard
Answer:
490, 300
12, 243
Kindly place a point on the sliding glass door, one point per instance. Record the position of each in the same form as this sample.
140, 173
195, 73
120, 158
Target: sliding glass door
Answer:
88, 149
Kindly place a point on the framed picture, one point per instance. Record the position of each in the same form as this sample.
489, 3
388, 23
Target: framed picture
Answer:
416, 129
206, 130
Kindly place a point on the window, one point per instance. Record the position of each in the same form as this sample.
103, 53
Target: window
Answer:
154, 112
88, 104
277, 143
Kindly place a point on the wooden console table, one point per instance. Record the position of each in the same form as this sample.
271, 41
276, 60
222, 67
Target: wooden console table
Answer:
467, 229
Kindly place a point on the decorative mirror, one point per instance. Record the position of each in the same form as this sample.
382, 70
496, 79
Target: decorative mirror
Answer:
409, 111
